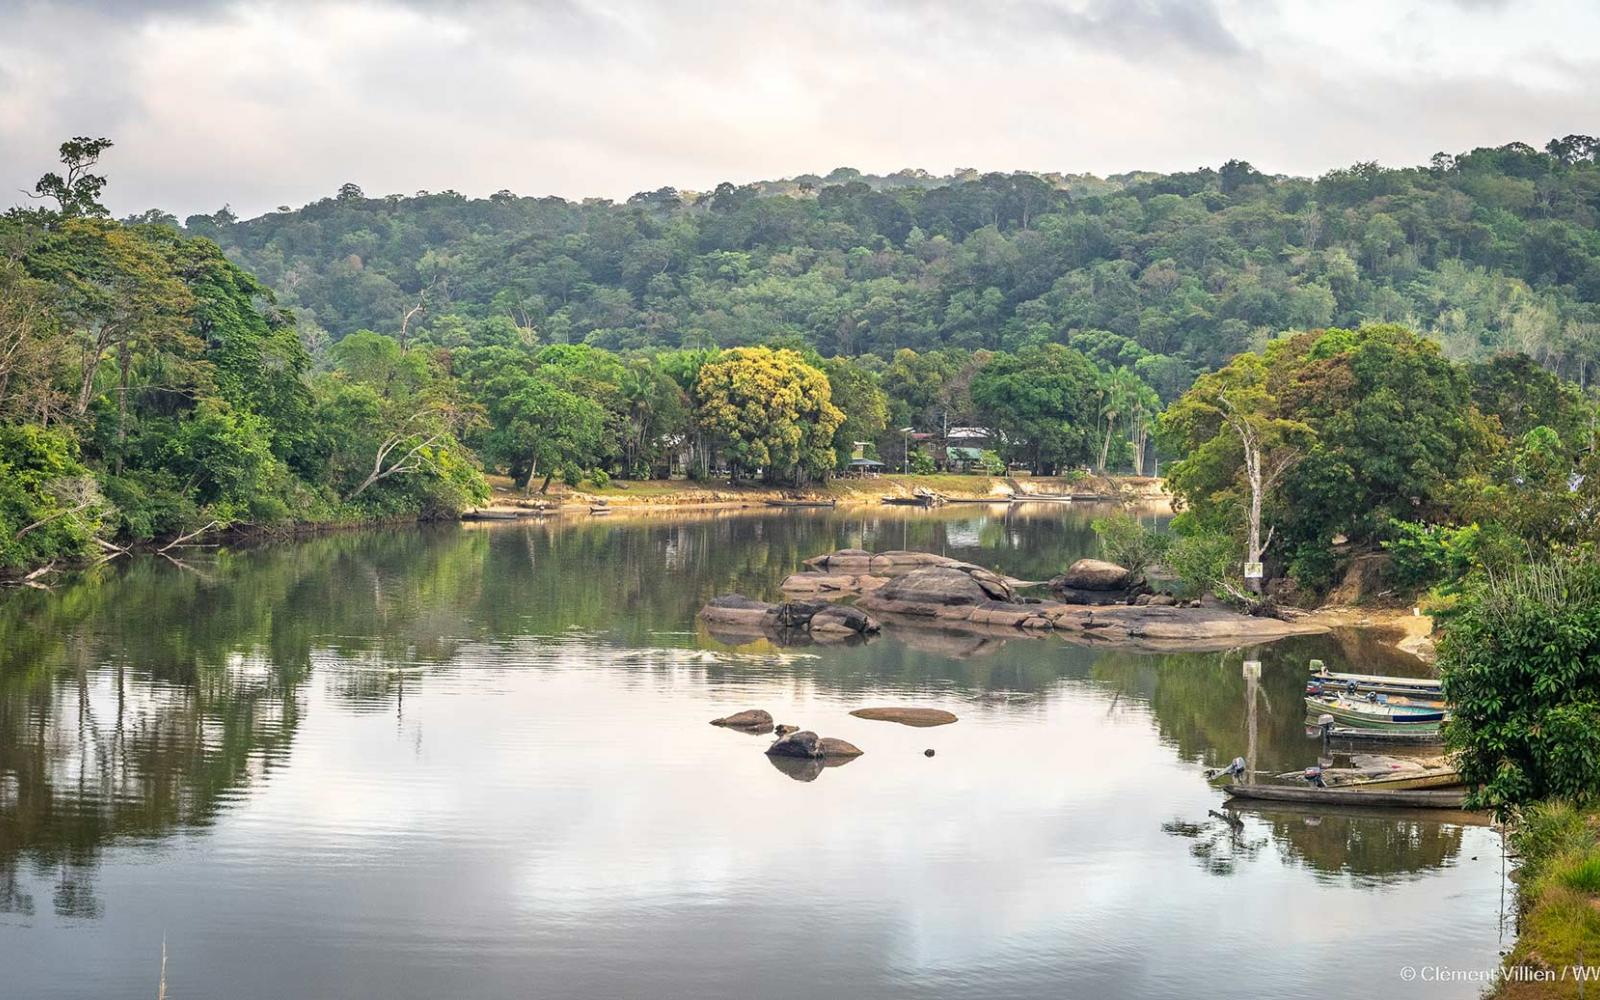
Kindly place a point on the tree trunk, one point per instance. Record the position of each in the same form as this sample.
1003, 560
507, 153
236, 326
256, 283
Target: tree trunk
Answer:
1253, 546
1105, 446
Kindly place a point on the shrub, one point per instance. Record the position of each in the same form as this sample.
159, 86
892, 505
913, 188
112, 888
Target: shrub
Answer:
50, 507
921, 464
1200, 559
1426, 554
1520, 658
1128, 543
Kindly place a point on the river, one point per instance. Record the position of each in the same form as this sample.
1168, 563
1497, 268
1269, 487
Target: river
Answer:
473, 761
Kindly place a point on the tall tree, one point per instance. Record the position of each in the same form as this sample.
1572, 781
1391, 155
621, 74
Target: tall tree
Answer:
772, 412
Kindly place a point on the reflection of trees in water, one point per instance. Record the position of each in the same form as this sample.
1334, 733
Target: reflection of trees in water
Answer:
1372, 848
1368, 848
1219, 843
140, 698
1200, 705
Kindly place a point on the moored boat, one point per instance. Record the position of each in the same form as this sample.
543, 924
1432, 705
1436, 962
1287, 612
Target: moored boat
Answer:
1425, 736
1374, 682
799, 503
1377, 715
1430, 798
1433, 777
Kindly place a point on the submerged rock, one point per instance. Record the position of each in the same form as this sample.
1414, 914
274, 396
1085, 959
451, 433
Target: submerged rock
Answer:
755, 719
920, 717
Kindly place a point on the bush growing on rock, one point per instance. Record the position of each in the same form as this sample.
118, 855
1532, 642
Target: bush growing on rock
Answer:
1128, 543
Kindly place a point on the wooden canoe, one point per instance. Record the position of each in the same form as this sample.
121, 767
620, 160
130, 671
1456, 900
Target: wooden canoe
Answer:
1350, 796
1437, 777
1377, 682
799, 503
1350, 734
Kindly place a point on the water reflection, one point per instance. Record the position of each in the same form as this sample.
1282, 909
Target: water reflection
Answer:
299, 733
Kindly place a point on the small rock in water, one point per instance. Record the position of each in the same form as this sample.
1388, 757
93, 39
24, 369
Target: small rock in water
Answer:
928, 752
750, 718
907, 716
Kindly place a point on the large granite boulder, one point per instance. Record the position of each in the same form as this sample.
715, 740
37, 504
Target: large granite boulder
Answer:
1093, 574
944, 586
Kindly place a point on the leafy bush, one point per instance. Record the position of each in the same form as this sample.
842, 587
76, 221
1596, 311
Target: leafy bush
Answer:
1520, 658
150, 502
1427, 554
599, 479
1128, 543
921, 464
50, 507
1200, 559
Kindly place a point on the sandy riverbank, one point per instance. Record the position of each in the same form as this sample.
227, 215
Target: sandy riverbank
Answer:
508, 496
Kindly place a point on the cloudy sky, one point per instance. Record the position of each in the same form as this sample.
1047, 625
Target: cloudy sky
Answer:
258, 103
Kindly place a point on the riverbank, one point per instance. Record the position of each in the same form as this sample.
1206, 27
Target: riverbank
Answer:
509, 496
1558, 876
1397, 628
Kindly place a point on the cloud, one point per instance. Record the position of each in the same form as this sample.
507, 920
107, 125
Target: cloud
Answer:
266, 102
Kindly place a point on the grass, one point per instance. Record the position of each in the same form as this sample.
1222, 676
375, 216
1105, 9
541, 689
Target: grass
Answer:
1559, 874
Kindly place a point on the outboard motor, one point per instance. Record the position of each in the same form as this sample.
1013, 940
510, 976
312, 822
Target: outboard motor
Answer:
1313, 775
1234, 770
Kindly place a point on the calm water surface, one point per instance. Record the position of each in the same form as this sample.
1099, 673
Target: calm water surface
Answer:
474, 762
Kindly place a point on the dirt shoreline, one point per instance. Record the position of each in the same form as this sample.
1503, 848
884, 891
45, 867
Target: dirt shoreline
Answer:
619, 495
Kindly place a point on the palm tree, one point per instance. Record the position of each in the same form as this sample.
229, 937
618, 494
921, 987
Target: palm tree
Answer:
1119, 396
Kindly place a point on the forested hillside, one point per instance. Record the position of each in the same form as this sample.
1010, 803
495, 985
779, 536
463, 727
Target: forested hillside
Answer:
1496, 249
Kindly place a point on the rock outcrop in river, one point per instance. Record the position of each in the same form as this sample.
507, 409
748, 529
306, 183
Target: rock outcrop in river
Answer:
930, 590
952, 597
740, 614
